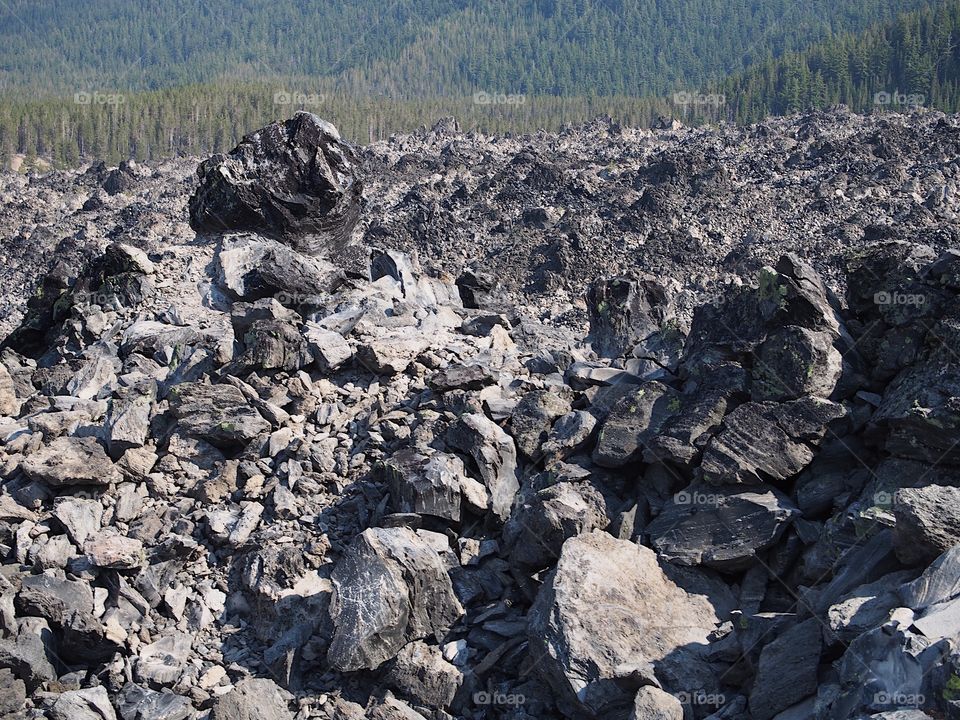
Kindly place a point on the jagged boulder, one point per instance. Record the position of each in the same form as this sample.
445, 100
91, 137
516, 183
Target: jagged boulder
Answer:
390, 588
609, 621
296, 181
721, 527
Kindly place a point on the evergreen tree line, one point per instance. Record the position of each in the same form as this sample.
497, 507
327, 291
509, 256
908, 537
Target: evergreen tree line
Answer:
910, 61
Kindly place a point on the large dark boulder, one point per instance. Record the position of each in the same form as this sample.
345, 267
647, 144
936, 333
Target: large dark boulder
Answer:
296, 181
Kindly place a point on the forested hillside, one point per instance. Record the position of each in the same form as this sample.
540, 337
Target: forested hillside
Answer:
118, 79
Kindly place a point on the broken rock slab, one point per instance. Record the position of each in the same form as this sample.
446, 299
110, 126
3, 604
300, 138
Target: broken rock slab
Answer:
722, 527
608, 621
390, 588
71, 461
295, 180
495, 455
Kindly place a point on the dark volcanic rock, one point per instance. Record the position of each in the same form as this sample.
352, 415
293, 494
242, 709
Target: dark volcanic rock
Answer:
390, 588
296, 181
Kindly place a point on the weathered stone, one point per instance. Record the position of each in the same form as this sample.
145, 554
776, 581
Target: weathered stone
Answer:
608, 621
252, 699
329, 348
793, 362
71, 461
928, 522
533, 418
137, 703
536, 531
295, 180
654, 704
251, 268
723, 528
787, 671
428, 485
110, 550
87, 704
219, 414
495, 455
80, 518
390, 588
766, 441
632, 421
421, 675
9, 402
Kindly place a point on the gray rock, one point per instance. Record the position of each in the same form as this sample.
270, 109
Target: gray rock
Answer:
624, 311
608, 621
928, 522
80, 518
569, 434
137, 703
721, 527
421, 675
867, 606
114, 551
390, 588
793, 362
295, 180
788, 670
53, 598
940, 582
9, 402
329, 348
271, 345
128, 422
631, 422
536, 531
651, 703
462, 377
495, 455
219, 414
71, 461
250, 267
27, 656
533, 418
13, 693
767, 441
428, 485
87, 704
252, 699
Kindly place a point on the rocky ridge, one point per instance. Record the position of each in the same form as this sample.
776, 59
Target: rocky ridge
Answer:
241, 481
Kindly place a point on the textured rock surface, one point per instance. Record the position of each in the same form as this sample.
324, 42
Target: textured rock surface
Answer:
295, 180
675, 437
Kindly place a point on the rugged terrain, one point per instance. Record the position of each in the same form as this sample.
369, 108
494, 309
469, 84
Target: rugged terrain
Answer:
607, 424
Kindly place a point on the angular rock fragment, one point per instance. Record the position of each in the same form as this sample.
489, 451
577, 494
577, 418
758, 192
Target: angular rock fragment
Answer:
252, 699
720, 527
533, 418
761, 442
218, 414
787, 671
608, 621
495, 455
430, 485
928, 522
390, 588
296, 180
538, 528
71, 461
422, 675
631, 422
793, 362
